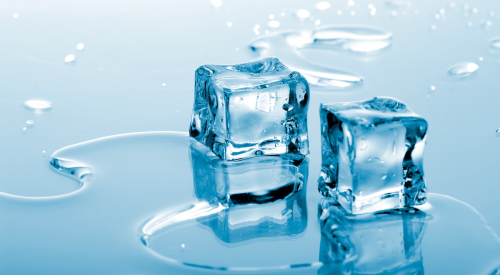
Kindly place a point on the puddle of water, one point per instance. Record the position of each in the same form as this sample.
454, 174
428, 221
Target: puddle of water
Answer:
286, 46
139, 180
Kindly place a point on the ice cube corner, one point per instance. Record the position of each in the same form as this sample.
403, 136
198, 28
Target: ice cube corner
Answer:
251, 109
372, 155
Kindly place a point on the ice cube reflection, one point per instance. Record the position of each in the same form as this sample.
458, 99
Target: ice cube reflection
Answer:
386, 242
265, 196
251, 198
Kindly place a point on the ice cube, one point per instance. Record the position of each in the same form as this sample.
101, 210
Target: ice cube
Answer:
372, 155
382, 243
246, 110
258, 193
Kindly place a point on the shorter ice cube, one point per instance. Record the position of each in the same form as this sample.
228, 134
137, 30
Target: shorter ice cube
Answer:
258, 194
251, 109
382, 243
372, 155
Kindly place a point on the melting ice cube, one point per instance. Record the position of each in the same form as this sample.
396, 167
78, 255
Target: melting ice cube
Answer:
372, 155
388, 242
256, 108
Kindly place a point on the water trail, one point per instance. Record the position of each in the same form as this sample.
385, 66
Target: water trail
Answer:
286, 45
186, 213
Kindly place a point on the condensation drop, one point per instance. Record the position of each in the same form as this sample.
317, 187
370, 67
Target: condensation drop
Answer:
29, 122
69, 58
323, 5
80, 46
462, 69
38, 104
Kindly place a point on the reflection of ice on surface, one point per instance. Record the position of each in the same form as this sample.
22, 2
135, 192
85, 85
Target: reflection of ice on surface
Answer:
357, 39
247, 197
384, 242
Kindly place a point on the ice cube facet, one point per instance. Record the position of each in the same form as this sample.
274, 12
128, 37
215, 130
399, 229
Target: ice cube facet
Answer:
384, 243
372, 155
251, 109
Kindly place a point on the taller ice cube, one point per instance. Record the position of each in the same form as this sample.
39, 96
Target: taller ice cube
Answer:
250, 109
372, 155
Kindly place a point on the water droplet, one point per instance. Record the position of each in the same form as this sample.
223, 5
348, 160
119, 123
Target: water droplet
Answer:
317, 22
273, 24
29, 122
384, 176
237, 48
80, 46
452, 5
282, 14
323, 6
495, 43
437, 16
441, 11
229, 24
302, 14
497, 133
182, 245
480, 58
433, 27
462, 69
216, 3
432, 88
353, 13
271, 16
475, 10
24, 128
69, 58
339, 12
38, 104
258, 152
15, 15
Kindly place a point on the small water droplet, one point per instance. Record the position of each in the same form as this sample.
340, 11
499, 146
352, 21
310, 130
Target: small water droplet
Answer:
495, 43
350, 3
258, 152
216, 3
437, 16
322, 6
229, 24
24, 128
475, 10
317, 22
29, 122
384, 176
433, 27
480, 58
15, 15
302, 14
441, 11
80, 46
462, 69
432, 88
273, 24
38, 104
497, 133
183, 245
69, 58
339, 12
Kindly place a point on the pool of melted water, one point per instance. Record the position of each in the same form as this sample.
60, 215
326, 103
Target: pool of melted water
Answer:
134, 74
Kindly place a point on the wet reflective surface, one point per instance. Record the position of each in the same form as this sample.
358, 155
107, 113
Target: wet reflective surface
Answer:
135, 74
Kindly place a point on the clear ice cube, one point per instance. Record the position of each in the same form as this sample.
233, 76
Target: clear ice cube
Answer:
372, 155
255, 108
258, 193
384, 243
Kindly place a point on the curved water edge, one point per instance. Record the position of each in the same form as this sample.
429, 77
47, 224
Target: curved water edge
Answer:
221, 230
286, 45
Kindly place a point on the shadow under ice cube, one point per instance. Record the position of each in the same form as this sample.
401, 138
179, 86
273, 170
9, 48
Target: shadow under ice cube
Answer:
372, 155
255, 108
